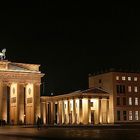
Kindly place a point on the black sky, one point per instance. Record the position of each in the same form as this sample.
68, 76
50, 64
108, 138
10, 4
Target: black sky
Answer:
71, 39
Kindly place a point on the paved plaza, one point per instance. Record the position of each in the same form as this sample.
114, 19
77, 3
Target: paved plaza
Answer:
115, 133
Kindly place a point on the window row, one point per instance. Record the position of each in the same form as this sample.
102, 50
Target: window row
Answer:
122, 89
123, 78
130, 101
123, 116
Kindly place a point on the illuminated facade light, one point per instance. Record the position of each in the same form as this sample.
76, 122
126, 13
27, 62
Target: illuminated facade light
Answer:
135, 78
117, 77
123, 78
129, 78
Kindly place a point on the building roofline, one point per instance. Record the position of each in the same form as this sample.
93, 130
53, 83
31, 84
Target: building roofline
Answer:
113, 70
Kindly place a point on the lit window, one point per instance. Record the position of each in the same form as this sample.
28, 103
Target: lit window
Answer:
135, 79
136, 115
130, 115
130, 100
135, 89
129, 78
129, 89
136, 101
117, 77
123, 78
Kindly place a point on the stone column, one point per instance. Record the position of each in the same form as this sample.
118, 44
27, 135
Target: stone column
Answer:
74, 111
52, 112
20, 99
80, 110
14, 103
47, 113
68, 112
1, 97
30, 104
99, 113
107, 110
62, 111
36, 101
89, 110
4, 103
43, 112
77, 108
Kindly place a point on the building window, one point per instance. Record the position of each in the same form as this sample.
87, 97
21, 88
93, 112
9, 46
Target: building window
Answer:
129, 78
135, 79
124, 100
129, 89
118, 100
136, 115
123, 88
136, 101
130, 115
124, 116
120, 88
123, 78
130, 100
135, 89
117, 78
118, 116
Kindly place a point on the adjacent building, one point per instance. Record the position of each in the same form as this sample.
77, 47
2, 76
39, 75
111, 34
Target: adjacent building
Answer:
124, 94
80, 107
112, 97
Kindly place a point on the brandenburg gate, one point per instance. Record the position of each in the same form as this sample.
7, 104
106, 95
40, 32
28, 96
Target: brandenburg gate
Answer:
19, 92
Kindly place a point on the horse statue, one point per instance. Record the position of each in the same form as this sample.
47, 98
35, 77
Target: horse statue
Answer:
2, 54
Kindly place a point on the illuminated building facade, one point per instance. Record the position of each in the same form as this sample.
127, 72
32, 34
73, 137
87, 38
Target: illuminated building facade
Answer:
19, 92
124, 94
112, 97
81, 107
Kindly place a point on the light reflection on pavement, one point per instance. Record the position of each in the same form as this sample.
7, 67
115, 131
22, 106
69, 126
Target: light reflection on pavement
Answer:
65, 133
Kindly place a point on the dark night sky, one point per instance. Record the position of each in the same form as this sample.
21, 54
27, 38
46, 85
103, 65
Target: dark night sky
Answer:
71, 40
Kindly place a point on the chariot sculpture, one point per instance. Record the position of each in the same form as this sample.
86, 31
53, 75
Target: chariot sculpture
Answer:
2, 54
